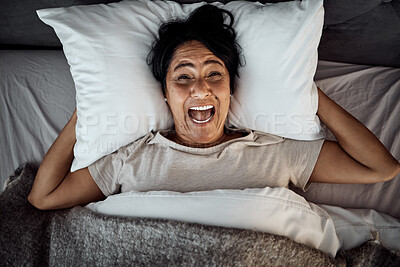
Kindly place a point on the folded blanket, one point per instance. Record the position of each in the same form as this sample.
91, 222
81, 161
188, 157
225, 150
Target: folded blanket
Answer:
78, 236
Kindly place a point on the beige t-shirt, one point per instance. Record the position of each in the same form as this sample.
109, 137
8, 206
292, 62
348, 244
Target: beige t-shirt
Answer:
255, 160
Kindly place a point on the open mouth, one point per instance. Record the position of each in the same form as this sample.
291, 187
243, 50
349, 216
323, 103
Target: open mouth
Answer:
201, 114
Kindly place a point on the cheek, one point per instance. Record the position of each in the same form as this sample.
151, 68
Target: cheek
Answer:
224, 96
226, 104
176, 101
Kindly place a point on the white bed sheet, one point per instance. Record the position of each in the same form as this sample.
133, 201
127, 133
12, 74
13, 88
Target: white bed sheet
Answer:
37, 98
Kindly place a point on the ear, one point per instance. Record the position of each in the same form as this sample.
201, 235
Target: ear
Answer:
164, 90
165, 96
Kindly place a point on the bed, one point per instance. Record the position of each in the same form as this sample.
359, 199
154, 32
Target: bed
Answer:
358, 67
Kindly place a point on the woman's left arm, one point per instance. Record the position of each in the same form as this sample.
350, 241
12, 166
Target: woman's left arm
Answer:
357, 156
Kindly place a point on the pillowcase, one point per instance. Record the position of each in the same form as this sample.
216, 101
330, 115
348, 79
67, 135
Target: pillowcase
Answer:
356, 226
118, 100
277, 211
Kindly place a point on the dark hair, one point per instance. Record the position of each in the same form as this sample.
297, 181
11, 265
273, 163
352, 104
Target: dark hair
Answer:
206, 25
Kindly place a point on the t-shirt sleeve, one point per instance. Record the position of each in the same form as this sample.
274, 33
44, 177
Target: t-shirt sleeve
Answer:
301, 157
105, 171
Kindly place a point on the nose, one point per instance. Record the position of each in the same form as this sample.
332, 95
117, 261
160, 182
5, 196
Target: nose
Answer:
200, 89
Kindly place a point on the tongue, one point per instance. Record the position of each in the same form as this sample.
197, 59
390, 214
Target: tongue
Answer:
200, 115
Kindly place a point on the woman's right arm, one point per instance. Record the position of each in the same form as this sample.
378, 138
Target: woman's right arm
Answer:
55, 187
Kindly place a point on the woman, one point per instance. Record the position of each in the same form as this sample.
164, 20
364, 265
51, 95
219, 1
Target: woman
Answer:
196, 62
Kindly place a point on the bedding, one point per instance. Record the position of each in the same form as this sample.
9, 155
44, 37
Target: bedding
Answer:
362, 32
272, 210
37, 99
78, 236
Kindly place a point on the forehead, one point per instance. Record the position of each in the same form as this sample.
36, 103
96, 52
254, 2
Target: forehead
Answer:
195, 52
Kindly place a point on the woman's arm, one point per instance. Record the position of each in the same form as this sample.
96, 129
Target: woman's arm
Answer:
357, 156
54, 186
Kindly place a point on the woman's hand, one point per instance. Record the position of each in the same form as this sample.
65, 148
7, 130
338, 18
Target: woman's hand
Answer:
357, 156
54, 186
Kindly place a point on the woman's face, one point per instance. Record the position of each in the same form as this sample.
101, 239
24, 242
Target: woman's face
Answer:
198, 93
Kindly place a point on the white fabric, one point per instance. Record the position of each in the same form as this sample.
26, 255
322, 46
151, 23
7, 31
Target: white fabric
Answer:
356, 226
37, 98
274, 210
119, 101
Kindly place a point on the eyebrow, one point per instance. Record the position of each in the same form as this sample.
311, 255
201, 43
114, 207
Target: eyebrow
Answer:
207, 62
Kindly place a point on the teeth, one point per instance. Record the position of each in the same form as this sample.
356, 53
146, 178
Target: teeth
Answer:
207, 120
202, 108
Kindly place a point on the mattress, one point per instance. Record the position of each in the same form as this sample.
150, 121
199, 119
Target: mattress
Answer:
38, 97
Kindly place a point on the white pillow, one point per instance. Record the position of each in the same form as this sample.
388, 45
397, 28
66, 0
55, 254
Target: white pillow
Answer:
277, 211
118, 100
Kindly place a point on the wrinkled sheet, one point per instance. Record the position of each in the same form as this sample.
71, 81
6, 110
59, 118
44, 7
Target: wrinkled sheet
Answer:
37, 98
372, 95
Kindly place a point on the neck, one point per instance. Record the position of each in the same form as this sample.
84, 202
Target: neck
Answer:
174, 137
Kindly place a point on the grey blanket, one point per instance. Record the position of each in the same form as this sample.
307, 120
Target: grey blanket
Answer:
80, 237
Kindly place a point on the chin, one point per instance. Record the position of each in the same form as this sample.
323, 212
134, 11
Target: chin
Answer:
206, 135
202, 134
